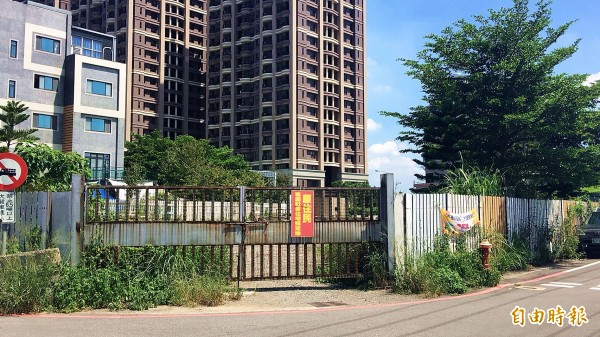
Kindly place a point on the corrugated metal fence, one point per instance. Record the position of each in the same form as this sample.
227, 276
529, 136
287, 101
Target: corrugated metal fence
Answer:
509, 216
42, 219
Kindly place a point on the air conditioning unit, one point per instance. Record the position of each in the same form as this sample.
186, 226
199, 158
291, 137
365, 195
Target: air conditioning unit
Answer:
77, 50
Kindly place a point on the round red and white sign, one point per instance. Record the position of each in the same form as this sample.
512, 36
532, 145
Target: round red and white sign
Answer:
13, 171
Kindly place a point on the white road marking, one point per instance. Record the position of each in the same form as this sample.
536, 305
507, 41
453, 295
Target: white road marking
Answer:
530, 288
578, 268
557, 285
567, 283
595, 288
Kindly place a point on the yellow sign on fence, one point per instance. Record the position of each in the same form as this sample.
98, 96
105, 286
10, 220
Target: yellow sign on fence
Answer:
456, 223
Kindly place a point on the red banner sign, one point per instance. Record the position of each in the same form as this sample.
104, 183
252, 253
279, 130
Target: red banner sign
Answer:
303, 214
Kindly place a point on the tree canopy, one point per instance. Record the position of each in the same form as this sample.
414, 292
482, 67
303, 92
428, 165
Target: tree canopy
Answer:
13, 114
50, 170
186, 161
493, 98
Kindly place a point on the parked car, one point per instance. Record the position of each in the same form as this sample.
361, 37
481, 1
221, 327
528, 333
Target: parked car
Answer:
589, 237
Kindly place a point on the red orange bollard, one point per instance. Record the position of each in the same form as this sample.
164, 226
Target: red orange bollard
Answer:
484, 249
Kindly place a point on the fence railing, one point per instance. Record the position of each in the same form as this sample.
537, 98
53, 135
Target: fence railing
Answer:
134, 216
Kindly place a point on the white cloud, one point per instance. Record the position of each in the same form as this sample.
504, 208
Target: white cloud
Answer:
381, 89
592, 79
372, 125
387, 158
371, 62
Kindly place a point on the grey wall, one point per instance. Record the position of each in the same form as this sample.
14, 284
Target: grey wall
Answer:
103, 74
45, 135
112, 143
13, 17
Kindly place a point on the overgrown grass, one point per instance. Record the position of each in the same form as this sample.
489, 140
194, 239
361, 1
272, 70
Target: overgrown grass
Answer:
565, 237
24, 285
139, 278
209, 290
113, 278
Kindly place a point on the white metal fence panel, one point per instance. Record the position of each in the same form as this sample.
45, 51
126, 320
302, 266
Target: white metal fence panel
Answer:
423, 221
517, 216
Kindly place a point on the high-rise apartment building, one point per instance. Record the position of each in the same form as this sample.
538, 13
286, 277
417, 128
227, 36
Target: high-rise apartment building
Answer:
286, 86
280, 81
163, 44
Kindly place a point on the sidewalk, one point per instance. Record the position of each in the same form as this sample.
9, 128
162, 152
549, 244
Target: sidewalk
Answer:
296, 295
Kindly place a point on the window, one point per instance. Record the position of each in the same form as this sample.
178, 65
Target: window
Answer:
89, 47
13, 49
99, 163
45, 82
97, 124
12, 87
41, 121
47, 44
99, 88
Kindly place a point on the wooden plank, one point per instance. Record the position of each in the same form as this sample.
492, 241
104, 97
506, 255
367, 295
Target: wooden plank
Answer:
493, 214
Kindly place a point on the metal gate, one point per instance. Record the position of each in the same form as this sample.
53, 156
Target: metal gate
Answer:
246, 229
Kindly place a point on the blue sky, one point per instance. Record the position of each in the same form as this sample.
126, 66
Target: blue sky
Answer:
396, 29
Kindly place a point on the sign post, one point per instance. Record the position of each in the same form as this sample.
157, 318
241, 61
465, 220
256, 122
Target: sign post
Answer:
7, 215
303, 214
13, 172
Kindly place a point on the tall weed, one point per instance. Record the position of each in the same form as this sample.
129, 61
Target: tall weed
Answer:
134, 278
24, 285
209, 290
565, 237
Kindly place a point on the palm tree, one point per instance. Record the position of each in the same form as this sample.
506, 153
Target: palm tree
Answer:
13, 114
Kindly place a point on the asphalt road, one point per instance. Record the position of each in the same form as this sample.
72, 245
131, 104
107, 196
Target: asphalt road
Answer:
486, 313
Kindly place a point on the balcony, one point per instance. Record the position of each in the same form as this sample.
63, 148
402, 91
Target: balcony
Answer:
106, 173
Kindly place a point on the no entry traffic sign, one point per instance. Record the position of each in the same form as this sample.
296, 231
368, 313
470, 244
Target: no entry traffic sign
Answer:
13, 171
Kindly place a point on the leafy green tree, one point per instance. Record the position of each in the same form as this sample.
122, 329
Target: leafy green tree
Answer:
13, 114
50, 170
284, 179
187, 161
144, 153
492, 97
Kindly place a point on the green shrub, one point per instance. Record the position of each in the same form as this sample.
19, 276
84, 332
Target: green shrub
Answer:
443, 271
24, 285
445, 281
131, 278
490, 277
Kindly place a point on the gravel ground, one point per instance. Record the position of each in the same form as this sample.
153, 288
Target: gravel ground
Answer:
291, 294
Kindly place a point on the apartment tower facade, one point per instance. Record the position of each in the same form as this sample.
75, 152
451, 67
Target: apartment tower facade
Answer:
163, 44
280, 81
286, 86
